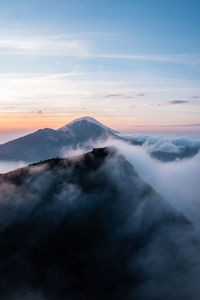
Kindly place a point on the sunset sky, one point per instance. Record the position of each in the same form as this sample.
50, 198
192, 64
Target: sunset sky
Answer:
133, 65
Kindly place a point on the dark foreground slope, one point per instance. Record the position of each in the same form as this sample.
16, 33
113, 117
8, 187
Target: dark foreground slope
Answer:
89, 228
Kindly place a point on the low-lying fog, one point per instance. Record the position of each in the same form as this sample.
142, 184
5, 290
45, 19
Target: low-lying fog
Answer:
177, 181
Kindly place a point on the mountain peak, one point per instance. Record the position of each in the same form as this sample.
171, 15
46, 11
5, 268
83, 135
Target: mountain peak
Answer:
87, 119
47, 143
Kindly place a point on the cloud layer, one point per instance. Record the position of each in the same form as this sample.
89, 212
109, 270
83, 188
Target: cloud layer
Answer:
176, 181
167, 148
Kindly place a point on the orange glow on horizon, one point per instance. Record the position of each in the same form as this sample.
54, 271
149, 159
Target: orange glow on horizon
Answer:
25, 121
18, 121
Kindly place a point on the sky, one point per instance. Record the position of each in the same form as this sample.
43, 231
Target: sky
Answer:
133, 65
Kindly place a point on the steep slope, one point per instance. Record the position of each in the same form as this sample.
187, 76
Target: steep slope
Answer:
32, 147
47, 143
88, 228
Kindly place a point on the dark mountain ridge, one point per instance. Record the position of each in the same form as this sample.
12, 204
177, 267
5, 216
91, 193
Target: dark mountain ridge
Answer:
88, 227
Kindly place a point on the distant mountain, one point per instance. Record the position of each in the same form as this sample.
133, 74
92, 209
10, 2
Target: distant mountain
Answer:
47, 143
88, 119
89, 228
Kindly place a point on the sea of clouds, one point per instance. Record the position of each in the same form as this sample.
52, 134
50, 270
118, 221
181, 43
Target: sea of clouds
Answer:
177, 181
165, 143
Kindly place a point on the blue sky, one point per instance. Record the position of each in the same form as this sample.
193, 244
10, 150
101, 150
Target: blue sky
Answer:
128, 63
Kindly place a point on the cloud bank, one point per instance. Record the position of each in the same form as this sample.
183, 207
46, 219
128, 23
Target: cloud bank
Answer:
167, 148
176, 181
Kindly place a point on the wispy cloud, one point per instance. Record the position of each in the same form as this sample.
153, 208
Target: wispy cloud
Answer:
39, 112
75, 46
178, 101
63, 95
195, 97
47, 45
167, 125
176, 58
113, 95
7, 107
181, 125
155, 104
118, 95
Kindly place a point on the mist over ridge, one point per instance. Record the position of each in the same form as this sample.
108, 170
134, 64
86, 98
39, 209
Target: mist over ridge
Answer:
99, 150
90, 228
117, 222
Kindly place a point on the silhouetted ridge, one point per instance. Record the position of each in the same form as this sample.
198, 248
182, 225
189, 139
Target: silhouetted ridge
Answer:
86, 228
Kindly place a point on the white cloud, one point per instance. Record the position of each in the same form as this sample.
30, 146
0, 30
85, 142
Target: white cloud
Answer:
67, 92
15, 86
171, 144
46, 45
165, 143
76, 46
177, 182
176, 58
